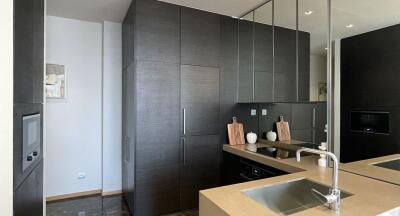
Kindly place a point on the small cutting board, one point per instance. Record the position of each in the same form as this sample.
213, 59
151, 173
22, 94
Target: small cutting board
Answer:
282, 127
235, 133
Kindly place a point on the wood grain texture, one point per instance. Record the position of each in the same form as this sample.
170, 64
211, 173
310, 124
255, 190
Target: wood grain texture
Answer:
235, 133
283, 130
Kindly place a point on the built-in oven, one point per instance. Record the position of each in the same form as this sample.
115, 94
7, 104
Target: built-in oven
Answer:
31, 139
251, 170
28, 139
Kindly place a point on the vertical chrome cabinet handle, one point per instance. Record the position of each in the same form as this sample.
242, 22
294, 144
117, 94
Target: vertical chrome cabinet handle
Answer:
184, 151
184, 121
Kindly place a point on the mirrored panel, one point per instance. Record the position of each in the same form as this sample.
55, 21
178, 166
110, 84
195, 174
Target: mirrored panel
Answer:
366, 38
246, 58
312, 49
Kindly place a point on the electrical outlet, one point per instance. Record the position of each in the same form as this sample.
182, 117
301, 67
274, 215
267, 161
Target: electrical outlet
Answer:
264, 112
81, 175
253, 112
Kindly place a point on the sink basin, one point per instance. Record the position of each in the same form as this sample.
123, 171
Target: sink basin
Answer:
394, 165
393, 212
289, 198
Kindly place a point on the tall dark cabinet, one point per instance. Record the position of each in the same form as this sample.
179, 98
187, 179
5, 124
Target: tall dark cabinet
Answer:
171, 105
28, 106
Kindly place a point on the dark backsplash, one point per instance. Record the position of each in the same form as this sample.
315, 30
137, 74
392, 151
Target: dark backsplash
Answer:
299, 115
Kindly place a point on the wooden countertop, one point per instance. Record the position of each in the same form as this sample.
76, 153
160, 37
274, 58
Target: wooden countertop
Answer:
366, 168
289, 165
369, 196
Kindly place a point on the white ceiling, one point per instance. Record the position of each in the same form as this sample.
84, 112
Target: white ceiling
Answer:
89, 10
224, 7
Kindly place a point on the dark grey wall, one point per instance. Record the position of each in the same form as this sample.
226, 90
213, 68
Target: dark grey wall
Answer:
306, 120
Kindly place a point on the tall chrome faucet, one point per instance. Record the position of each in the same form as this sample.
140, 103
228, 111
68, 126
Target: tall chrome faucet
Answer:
333, 198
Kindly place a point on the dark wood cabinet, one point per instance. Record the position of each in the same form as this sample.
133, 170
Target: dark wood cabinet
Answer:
199, 100
303, 66
28, 197
28, 51
157, 32
200, 38
245, 53
200, 167
171, 64
285, 87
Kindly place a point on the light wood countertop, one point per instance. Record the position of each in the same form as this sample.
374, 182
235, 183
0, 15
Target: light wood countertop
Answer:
289, 165
369, 196
366, 168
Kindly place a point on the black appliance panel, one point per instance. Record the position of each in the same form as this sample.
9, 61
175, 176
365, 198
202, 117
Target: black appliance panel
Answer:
25, 163
370, 121
250, 170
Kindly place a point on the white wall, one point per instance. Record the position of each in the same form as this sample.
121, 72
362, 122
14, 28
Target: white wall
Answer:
74, 127
112, 106
6, 107
317, 74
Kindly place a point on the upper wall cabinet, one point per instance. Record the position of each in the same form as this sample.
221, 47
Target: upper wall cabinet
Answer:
28, 51
278, 61
200, 38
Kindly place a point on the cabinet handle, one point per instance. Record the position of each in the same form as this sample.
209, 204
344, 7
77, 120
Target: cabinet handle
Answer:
127, 149
184, 151
184, 121
313, 118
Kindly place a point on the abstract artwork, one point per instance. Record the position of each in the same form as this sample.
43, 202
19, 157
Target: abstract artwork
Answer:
55, 81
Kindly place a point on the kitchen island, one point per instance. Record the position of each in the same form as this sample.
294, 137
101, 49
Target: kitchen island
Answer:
365, 196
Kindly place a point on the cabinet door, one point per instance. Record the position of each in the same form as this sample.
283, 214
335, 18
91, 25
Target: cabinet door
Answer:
200, 168
28, 198
200, 38
263, 63
28, 51
199, 100
157, 138
304, 66
285, 87
246, 74
157, 32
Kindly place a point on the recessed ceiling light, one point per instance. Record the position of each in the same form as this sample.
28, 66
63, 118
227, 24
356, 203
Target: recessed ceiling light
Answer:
349, 26
308, 12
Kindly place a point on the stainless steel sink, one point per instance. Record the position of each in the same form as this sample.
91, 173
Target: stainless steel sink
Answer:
394, 165
289, 198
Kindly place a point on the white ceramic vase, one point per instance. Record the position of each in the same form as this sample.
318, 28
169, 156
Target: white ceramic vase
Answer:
271, 136
251, 138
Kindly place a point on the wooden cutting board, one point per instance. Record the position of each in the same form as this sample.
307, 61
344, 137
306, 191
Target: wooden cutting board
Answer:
282, 128
235, 133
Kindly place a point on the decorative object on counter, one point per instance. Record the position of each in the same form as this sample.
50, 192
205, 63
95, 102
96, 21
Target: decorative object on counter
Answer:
235, 132
282, 128
322, 160
271, 136
251, 138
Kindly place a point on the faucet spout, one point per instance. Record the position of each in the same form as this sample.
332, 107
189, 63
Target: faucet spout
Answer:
333, 199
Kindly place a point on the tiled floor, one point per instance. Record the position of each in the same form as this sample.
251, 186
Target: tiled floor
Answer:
97, 206
89, 206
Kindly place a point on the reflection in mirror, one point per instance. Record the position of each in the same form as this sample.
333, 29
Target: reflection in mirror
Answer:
312, 24
366, 37
263, 54
246, 59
